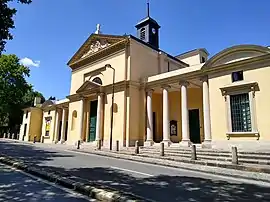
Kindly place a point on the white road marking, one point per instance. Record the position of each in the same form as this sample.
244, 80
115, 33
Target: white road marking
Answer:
132, 171
202, 173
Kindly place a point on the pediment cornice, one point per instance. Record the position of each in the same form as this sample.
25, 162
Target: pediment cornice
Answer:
96, 47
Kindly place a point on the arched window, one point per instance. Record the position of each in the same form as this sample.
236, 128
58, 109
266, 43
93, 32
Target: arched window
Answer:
97, 80
142, 34
74, 117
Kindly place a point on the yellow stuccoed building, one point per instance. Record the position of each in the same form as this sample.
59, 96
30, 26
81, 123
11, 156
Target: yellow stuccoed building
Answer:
179, 100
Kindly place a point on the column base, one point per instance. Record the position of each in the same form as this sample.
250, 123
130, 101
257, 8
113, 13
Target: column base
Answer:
167, 143
185, 143
63, 141
148, 143
207, 144
97, 142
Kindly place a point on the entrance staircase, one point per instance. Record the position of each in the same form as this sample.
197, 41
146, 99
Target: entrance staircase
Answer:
209, 155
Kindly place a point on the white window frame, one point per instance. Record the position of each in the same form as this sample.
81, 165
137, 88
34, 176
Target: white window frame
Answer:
250, 88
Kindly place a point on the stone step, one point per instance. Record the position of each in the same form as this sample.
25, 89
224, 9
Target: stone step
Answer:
202, 157
207, 151
214, 158
215, 154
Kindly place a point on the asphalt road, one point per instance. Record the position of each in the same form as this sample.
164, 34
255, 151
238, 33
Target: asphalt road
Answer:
153, 182
18, 186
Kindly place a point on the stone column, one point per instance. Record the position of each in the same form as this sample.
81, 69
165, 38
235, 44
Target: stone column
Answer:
99, 116
184, 116
206, 114
63, 129
149, 130
56, 128
166, 117
81, 119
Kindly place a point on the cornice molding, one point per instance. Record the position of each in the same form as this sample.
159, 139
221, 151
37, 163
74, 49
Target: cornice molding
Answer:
265, 59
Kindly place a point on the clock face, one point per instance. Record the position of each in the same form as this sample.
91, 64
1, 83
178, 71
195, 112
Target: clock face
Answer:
153, 30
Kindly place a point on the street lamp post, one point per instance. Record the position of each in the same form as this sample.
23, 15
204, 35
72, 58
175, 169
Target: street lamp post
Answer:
111, 132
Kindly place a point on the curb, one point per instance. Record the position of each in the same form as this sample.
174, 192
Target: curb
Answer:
168, 164
82, 188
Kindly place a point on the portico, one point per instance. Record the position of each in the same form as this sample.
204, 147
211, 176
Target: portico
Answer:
171, 104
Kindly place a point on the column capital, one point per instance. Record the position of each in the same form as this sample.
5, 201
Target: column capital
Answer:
149, 91
204, 78
82, 98
100, 93
165, 86
184, 83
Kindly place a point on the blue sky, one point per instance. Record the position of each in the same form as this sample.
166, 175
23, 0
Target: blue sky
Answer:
51, 31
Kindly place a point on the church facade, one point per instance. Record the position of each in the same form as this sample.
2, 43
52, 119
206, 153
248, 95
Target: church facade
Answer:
124, 88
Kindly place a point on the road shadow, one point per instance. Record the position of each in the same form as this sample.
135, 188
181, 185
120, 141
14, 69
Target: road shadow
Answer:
162, 188
16, 187
29, 153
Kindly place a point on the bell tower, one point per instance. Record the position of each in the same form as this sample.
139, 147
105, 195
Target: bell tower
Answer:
148, 30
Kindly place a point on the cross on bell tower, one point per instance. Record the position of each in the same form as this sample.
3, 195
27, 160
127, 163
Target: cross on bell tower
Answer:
148, 29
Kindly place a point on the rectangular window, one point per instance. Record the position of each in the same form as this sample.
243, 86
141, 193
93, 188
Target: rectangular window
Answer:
237, 76
168, 66
26, 114
240, 113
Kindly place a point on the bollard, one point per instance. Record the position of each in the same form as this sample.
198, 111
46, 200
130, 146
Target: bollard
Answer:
137, 147
117, 145
99, 144
78, 144
234, 155
5, 135
35, 139
13, 136
9, 136
193, 152
42, 139
162, 149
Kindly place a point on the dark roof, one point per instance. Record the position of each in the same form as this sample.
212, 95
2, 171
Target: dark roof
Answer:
47, 103
157, 49
145, 21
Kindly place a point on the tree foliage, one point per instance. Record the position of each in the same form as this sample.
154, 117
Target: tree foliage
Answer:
15, 92
6, 21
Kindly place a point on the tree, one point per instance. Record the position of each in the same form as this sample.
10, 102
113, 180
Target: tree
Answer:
6, 21
30, 96
15, 92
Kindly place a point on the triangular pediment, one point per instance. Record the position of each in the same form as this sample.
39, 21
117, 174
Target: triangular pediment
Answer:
88, 85
94, 44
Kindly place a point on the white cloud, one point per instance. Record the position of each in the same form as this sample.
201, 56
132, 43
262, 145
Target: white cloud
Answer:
29, 62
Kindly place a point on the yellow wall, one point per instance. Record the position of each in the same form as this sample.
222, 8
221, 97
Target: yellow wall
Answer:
48, 139
134, 116
118, 118
262, 106
74, 135
117, 61
194, 102
35, 124
157, 108
143, 61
